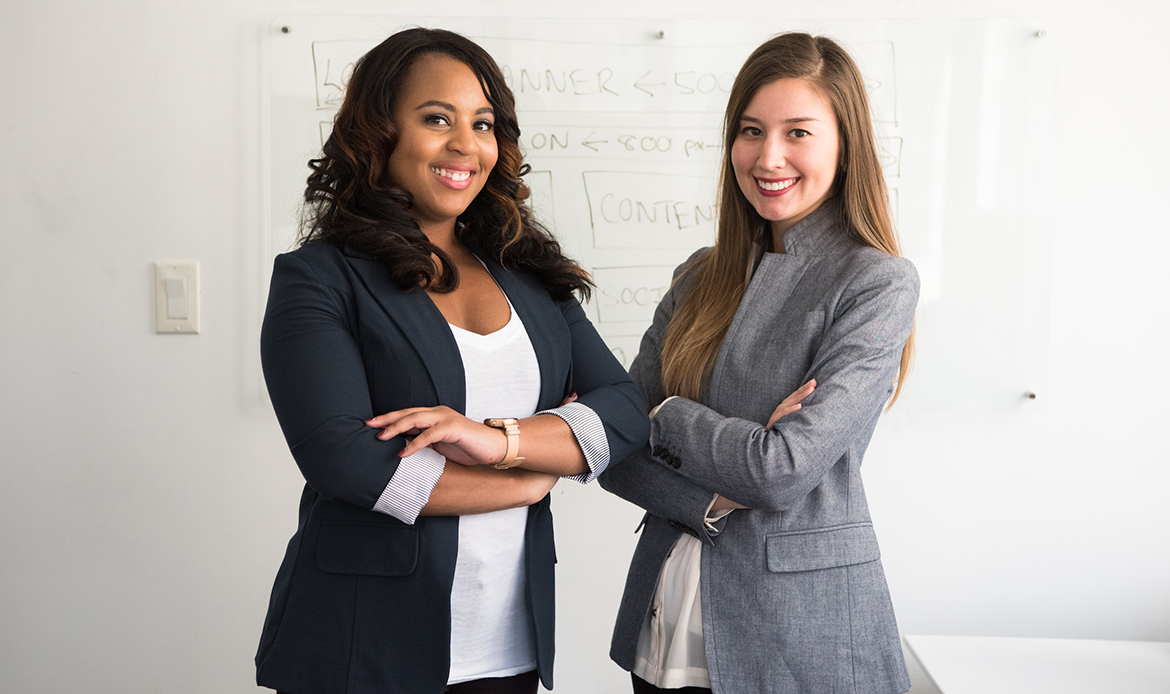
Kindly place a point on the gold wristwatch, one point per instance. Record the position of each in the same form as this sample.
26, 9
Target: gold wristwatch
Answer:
511, 429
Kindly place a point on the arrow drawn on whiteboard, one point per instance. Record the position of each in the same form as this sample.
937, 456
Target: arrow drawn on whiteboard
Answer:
589, 143
638, 83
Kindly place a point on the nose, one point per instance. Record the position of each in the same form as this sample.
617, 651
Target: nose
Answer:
463, 139
773, 153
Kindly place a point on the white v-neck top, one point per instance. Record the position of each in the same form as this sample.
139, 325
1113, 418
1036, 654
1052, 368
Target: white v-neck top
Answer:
491, 632
491, 625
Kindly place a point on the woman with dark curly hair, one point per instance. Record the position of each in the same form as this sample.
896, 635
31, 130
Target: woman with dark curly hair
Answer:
425, 302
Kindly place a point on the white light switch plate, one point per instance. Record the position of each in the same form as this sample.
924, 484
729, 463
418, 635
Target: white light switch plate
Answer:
176, 297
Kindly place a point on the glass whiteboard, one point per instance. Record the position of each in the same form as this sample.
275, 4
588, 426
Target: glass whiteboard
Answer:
621, 121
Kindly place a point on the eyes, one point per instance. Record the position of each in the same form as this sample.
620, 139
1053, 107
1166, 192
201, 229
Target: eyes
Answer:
483, 125
753, 131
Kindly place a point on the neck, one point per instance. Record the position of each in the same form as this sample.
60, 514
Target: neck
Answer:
778, 238
442, 235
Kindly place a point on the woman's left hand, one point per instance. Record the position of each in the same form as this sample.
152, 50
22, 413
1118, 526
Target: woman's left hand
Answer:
791, 403
449, 433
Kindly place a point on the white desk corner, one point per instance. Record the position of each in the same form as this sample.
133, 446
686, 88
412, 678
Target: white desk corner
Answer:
1012, 665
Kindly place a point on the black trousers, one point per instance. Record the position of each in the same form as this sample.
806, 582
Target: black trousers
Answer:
525, 683
641, 686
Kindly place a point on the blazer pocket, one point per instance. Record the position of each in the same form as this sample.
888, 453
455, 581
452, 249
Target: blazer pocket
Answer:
822, 548
367, 550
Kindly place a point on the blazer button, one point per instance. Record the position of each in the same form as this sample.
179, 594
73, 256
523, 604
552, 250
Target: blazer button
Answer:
657, 451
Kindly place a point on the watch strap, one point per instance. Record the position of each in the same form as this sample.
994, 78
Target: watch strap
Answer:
511, 429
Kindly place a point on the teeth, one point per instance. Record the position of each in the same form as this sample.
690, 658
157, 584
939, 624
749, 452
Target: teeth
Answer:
453, 175
780, 185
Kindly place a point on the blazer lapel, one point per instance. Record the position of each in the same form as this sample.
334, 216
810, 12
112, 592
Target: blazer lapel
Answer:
423, 325
540, 317
772, 283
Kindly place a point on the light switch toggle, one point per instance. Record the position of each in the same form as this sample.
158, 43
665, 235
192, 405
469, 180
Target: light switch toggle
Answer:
176, 287
176, 298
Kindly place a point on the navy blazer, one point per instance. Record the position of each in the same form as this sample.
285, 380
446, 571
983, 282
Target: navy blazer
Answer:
361, 603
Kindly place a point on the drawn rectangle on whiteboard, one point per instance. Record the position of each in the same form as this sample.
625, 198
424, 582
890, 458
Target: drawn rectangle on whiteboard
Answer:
890, 155
630, 209
333, 63
879, 70
540, 185
626, 294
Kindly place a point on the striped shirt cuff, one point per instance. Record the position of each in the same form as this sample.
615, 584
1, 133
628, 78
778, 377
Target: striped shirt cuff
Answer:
590, 434
411, 486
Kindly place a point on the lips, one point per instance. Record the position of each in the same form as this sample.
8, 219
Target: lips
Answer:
453, 174
457, 177
773, 187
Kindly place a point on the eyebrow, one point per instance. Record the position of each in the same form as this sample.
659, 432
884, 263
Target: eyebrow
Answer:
451, 108
798, 119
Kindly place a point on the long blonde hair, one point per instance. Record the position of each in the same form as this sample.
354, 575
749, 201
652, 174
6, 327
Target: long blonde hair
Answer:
720, 277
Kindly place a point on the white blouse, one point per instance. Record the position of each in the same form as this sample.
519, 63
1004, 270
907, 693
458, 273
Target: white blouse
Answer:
670, 650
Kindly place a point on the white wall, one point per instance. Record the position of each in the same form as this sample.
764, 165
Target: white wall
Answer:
147, 492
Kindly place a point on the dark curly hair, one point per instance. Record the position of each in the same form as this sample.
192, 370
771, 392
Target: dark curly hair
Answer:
351, 201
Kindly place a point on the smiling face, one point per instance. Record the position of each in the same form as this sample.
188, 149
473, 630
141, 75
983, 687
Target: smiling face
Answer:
446, 140
786, 152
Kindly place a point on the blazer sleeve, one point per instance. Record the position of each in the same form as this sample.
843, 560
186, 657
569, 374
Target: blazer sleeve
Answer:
855, 365
317, 382
640, 479
603, 386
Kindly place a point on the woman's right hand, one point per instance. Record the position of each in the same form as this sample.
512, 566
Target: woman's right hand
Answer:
722, 503
448, 432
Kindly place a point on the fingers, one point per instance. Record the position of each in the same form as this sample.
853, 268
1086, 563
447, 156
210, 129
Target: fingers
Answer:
424, 439
458, 438
782, 411
800, 393
791, 403
414, 423
410, 421
722, 503
389, 418
572, 398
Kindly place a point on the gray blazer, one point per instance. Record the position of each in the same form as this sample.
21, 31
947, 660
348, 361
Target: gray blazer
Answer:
793, 594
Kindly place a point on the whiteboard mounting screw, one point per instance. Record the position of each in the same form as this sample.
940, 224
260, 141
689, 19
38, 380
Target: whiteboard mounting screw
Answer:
1030, 395
1041, 33
661, 34
284, 29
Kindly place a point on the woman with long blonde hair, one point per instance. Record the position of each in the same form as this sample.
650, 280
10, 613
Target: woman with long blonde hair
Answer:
757, 569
